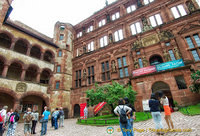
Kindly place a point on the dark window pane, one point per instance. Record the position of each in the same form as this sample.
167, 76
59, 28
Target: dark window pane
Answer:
103, 67
167, 43
79, 82
92, 70
189, 42
108, 75
93, 80
79, 74
140, 62
171, 53
60, 53
76, 83
124, 61
103, 77
107, 65
196, 37
76, 75
88, 70
119, 62
126, 72
89, 81
57, 85
180, 82
195, 55
121, 74
58, 68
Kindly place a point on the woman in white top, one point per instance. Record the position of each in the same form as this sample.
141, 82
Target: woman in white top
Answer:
126, 131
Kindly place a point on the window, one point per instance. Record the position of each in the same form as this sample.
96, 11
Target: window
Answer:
103, 41
57, 84
60, 53
180, 82
140, 62
61, 37
171, 54
118, 35
123, 67
178, 11
102, 22
198, 2
105, 71
62, 28
90, 29
195, 55
79, 34
58, 68
196, 38
131, 8
91, 46
77, 52
138, 52
136, 28
189, 42
167, 44
155, 20
115, 16
78, 78
91, 75
147, 1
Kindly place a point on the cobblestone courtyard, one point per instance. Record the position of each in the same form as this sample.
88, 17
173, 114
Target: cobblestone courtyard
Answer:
72, 129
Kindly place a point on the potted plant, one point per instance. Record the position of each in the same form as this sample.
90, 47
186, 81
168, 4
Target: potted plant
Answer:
176, 106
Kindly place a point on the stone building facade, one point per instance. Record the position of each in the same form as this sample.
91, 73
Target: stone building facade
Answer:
120, 39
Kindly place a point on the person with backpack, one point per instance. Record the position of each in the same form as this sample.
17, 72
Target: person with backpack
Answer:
131, 116
28, 117
12, 123
3, 119
56, 116
122, 111
61, 120
34, 121
45, 115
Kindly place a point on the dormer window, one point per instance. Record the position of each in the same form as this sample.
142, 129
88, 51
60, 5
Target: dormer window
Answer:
90, 29
115, 16
131, 8
79, 34
146, 2
102, 22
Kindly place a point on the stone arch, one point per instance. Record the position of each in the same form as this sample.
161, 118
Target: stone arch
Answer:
15, 70
5, 40
21, 46
45, 76
155, 59
36, 51
76, 110
31, 72
49, 56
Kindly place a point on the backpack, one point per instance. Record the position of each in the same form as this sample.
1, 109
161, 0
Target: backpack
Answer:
122, 116
1, 119
12, 119
28, 118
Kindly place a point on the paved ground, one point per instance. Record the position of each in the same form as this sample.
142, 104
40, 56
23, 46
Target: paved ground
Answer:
72, 129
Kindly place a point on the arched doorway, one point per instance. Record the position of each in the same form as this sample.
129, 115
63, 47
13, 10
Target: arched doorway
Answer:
66, 111
155, 59
6, 99
162, 87
76, 110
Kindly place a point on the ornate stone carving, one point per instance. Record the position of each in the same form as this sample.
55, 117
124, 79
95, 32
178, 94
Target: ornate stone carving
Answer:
166, 55
146, 26
136, 63
165, 35
150, 40
144, 61
177, 53
84, 74
110, 38
137, 44
191, 6
113, 66
21, 87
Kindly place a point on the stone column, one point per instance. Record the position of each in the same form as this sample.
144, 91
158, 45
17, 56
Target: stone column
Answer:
5, 70
38, 77
13, 44
23, 74
42, 56
16, 104
28, 50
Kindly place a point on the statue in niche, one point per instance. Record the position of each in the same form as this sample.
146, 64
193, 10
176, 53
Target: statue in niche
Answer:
137, 44
139, 4
110, 38
146, 26
177, 53
144, 61
84, 49
136, 63
165, 35
84, 74
107, 18
113, 66
166, 56
190, 6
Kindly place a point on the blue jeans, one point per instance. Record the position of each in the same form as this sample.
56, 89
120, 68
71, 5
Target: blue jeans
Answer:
157, 119
125, 128
44, 127
131, 125
56, 123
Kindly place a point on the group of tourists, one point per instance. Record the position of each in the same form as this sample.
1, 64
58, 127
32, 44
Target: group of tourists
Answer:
10, 119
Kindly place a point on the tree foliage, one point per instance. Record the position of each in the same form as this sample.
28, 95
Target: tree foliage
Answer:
110, 93
195, 86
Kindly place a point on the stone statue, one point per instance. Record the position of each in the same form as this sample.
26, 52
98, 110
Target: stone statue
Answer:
166, 56
177, 53
84, 74
108, 18
190, 6
139, 4
146, 26
137, 44
165, 35
110, 38
136, 63
113, 66
144, 61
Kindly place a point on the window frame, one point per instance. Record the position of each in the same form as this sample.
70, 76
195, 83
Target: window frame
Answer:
175, 10
90, 75
122, 68
57, 69
115, 16
90, 46
106, 72
78, 82
60, 53
155, 19
178, 85
103, 40
61, 37
131, 9
102, 22
57, 81
134, 27
117, 35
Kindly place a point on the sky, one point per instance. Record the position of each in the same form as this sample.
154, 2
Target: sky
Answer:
42, 15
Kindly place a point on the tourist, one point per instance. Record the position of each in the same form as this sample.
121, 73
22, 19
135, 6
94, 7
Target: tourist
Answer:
165, 102
52, 119
61, 120
46, 115
131, 116
28, 117
34, 121
124, 126
56, 117
3, 119
12, 123
8, 114
154, 106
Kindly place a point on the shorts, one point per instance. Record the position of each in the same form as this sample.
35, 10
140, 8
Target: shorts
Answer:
27, 128
167, 110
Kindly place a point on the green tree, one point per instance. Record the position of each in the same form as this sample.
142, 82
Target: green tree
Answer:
110, 93
195, 86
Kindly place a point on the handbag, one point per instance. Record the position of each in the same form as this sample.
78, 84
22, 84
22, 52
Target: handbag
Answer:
42, 120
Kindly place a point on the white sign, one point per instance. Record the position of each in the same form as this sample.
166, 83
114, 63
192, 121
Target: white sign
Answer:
145, 104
